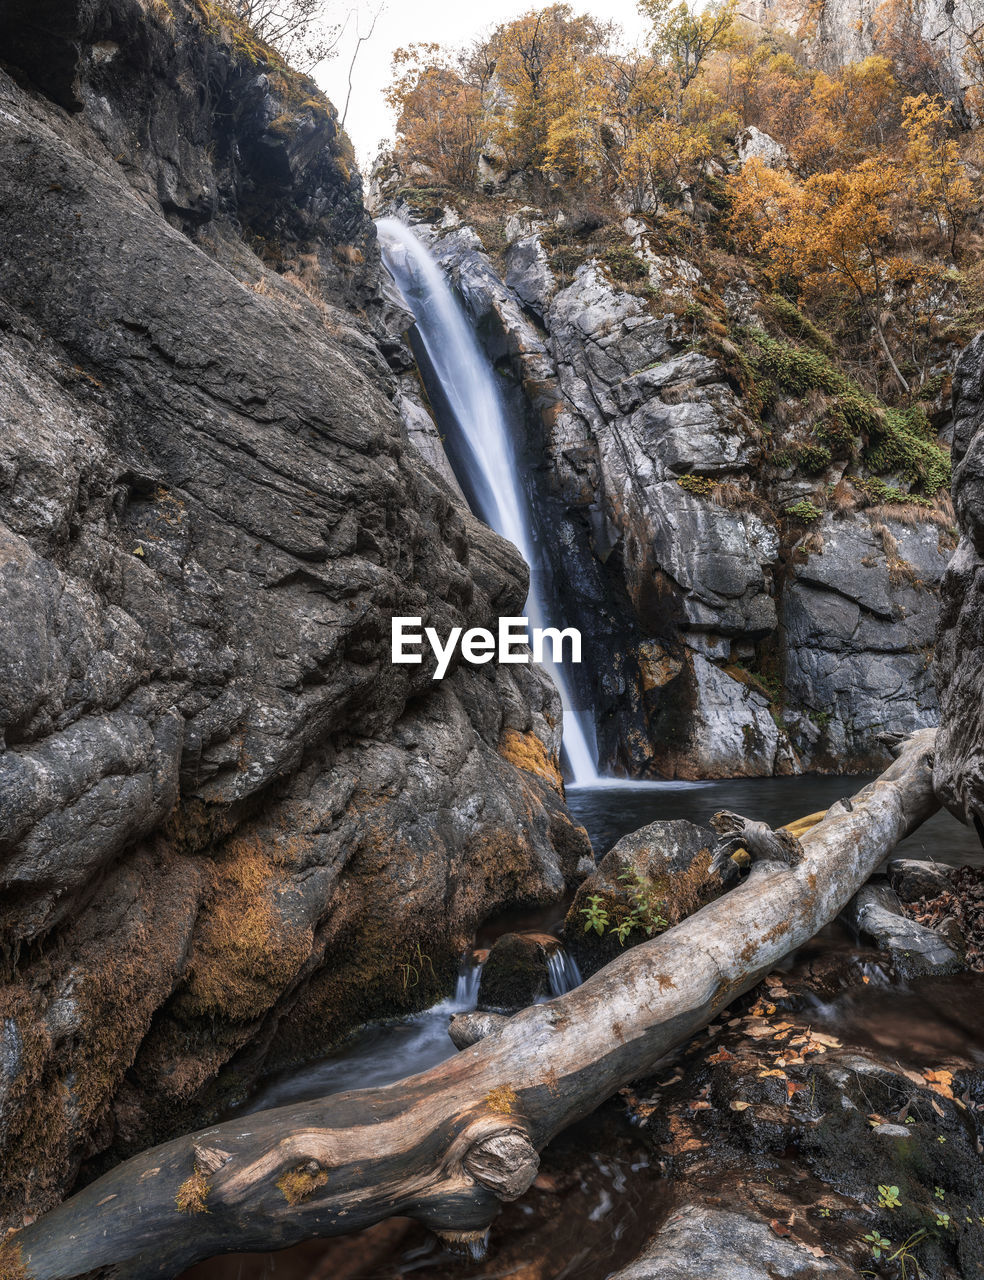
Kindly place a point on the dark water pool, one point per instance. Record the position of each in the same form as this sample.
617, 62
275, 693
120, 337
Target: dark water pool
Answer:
611, 812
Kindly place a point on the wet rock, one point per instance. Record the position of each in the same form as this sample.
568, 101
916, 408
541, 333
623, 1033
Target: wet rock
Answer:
875, 914
796, 1129
913, 879
468, 1028
698, 1242
514, 975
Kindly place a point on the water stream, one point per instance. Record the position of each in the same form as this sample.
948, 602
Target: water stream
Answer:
484, 458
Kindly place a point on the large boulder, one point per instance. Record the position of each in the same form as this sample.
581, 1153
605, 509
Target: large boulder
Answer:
225, 814
651, 879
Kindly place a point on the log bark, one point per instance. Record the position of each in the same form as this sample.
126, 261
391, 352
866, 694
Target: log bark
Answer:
447, 1146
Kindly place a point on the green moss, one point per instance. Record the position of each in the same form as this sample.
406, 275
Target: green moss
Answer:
699, 485
904, 447
793, 322
796, 370
624, 263
813, 458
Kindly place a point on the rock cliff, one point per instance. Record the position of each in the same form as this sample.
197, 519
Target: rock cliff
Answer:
732, 626
959, 772
226, 820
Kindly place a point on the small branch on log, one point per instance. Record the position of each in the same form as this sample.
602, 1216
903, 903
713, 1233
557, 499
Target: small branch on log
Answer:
448, 1146
759, 841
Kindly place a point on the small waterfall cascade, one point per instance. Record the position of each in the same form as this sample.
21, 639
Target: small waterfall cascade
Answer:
469, 980
562, 972
486, 453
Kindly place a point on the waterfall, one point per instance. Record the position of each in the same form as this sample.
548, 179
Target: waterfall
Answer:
562, 972
485, 453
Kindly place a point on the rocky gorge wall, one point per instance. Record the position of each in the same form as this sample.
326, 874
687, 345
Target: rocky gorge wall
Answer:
230, 829
725, 635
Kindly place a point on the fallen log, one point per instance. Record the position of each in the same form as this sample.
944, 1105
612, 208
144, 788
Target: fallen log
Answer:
447, 1146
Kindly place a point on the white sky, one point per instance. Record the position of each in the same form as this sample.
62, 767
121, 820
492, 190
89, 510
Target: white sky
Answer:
403, 22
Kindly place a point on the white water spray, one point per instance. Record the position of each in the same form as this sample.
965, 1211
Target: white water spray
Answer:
469, 387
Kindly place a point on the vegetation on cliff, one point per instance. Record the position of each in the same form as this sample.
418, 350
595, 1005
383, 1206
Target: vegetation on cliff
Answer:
850, 196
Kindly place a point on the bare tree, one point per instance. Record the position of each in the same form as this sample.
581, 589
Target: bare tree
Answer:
302, 30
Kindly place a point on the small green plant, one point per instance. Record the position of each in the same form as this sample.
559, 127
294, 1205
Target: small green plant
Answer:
824, 1212
942, 1220
941, 1138
804, 510
878, 1243
595, 915
699, 485
910, 1119
888, 1197
647, 911
939, 1193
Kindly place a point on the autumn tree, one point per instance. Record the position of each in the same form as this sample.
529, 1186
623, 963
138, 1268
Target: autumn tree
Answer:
438, 99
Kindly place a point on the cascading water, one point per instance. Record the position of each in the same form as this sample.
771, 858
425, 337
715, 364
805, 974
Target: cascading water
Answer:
468, 386
562, 972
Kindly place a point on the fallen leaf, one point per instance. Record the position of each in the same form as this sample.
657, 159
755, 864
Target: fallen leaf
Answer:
740, 1106
940, 1082
793, 1086
722, 1055
762, 1075
779, 1228
821, 1038
700, 1106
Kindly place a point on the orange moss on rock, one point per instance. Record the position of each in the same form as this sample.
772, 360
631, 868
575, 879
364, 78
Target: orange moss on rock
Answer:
503, 1100
527, 751
245, 952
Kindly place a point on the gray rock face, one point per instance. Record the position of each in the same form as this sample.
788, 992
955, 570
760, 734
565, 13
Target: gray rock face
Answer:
676, 592
959, 774
697, 1242
859, 617
844, 32
221, 807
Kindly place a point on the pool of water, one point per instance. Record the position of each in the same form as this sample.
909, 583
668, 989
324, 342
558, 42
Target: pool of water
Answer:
608, 813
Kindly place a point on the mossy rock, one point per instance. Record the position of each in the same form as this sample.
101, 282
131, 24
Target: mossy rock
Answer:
662, 868
515, 974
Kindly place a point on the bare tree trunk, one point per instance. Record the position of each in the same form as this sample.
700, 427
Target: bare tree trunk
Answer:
447, 1146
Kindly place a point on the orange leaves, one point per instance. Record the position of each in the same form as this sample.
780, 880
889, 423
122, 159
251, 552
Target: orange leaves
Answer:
941, 1082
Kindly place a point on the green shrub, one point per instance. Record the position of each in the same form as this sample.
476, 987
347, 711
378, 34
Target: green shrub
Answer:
904, 446
804, 510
